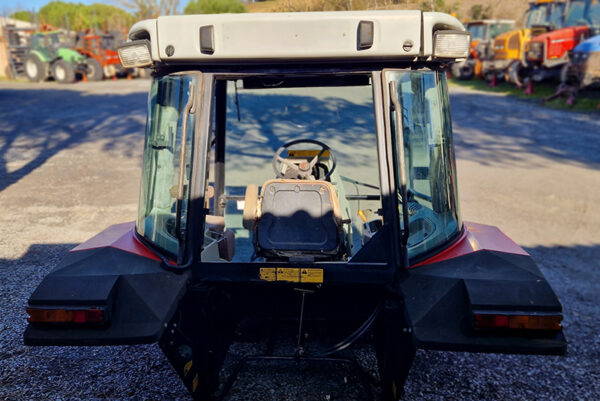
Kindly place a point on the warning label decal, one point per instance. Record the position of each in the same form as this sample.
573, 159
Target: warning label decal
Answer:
291, 274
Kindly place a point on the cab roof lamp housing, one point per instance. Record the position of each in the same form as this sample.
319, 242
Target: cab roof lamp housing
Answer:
408, 35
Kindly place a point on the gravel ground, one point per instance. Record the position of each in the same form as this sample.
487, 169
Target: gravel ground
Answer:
69, 166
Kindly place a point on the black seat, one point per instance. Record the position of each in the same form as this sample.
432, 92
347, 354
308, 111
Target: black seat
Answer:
297, 218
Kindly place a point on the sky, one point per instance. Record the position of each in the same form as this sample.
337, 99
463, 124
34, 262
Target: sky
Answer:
13, 5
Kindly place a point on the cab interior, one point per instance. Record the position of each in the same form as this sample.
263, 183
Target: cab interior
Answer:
293, 171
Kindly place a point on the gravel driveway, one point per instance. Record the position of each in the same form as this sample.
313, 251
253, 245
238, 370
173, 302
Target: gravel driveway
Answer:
70, 166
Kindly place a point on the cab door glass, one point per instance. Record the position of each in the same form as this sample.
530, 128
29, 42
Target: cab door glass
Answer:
556, 16
162, 152
576, 15
432, 205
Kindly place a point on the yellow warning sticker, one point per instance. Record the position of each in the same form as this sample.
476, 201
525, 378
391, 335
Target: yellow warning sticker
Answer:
311, 275
268, 274
288, 274
291, 274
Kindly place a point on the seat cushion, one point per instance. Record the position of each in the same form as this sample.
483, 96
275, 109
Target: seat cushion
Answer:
298, 217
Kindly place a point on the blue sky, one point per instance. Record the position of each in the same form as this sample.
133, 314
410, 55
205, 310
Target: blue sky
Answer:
12, 5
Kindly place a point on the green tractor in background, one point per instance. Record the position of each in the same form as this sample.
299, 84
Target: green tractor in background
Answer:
51, 56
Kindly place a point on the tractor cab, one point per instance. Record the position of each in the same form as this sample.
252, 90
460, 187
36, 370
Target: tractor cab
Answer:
543, 16
102, 59
298, 182
303, 184
584, 13
51, 39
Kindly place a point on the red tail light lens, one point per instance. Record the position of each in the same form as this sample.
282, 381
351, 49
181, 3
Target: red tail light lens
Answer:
517, 321
46, 315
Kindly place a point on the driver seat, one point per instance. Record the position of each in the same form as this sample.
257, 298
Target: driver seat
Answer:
294, 219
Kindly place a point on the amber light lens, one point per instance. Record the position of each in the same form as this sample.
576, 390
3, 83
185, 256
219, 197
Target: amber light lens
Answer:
518, 322
65, 315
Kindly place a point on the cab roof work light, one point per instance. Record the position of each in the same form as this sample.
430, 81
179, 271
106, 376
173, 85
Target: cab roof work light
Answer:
135, 54
451, 44
517, 321
60, 315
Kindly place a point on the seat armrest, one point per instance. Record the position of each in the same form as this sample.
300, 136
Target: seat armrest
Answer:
250, 203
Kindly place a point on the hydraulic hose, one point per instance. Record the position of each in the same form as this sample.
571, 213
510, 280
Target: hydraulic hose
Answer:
352, 338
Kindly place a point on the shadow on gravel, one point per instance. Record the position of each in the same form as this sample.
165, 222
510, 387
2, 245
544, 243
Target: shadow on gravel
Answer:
19, 277
506, 131
37, 124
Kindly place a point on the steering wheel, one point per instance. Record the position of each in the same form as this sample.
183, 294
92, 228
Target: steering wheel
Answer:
304, 170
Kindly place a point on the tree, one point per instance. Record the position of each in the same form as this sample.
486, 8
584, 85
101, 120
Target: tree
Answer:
110, 17
214, 7
145, 9
439, 5
22, 16
478, 12
81, 16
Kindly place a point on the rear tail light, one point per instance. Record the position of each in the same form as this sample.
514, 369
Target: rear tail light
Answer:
517, 321
80, 316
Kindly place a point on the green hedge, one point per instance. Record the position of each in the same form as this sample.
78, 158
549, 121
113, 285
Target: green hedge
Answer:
214, 7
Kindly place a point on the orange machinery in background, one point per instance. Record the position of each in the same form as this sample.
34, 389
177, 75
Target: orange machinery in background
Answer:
102, 49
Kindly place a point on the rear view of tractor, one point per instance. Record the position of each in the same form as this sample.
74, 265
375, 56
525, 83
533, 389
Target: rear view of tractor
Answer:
289, 221
548, 54
483, 33
509, 48
102, 57
50, 56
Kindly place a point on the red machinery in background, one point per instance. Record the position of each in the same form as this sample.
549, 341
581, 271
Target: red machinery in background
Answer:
104, 59
548, 54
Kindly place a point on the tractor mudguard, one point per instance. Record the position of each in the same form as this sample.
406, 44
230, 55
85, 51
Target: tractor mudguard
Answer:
42, 55
484, 272
114, 273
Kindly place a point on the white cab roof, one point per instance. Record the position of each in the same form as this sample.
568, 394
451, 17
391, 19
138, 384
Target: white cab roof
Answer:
317, 36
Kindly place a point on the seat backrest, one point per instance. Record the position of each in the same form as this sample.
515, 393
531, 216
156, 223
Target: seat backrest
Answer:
298, 218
